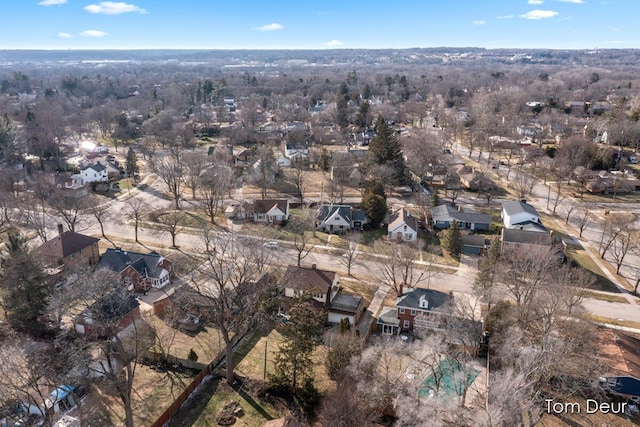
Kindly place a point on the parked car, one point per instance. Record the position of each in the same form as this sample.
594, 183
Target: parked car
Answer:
271, 245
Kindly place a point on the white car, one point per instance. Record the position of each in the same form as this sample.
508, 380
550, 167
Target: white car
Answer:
271, 245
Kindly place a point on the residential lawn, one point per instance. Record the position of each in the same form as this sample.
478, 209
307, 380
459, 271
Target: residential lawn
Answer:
605, 297
255, 412
251, 359
608, 320
582, 258
358, 287
368, 237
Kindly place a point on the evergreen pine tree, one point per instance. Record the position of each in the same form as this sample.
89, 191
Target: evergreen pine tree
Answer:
452, 240
374, 203
386, 149
485, 279
131, 163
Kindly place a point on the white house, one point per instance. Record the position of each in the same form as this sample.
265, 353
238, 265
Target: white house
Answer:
520, 215
293, 151
94, 173
272, 211
402, 226
339, 218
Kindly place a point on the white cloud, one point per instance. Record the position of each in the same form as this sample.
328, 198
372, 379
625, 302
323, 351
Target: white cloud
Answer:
539, 14
113, 8
93, 33
51, 2
270, 27
65, 35
572, 1
479, 22
535, 1
505, 17
333, 43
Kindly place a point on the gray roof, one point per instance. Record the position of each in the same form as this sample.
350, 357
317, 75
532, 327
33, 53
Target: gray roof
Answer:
526, 237
358, 215
327, 210
117, 260
514, 207
346, 303
448, 212
477, 241
389, 316
98, 167
412, 298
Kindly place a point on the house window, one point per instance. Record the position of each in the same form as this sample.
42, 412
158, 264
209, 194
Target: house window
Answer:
401, 311
341, 227
407, 324
405, 228
408, 236
413, 312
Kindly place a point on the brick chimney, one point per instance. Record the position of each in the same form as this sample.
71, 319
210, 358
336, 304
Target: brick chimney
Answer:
60, 229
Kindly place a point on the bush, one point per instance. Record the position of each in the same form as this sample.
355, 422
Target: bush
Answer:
193, 356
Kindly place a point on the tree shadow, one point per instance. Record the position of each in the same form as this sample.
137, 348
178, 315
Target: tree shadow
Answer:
238, 387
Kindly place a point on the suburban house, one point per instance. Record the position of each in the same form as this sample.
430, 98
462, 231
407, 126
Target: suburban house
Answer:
512, 239
474, 244
339, 219
402, 226
108, 315
95, 173
419, 307
296, 151
442, 216
271, 211
620, 353
520, 215
322, 287
69, 249
139, 272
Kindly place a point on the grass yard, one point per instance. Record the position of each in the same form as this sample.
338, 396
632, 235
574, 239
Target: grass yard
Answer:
605, 297
610, 321
582, 258
254, 412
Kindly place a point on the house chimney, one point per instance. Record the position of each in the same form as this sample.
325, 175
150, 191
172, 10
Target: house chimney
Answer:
313, 265
60, 229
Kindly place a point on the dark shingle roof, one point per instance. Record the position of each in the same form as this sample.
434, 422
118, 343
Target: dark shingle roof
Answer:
307, 279
526, 237
65, 244
113, 306
327, 210
145, 264
412, 298
265, 205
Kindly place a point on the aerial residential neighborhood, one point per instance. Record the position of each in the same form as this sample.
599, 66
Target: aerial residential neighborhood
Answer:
426, 236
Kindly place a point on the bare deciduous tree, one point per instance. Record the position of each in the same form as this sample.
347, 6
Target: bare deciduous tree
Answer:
171, 171
228, 279
215, 183
398, 268
135, 213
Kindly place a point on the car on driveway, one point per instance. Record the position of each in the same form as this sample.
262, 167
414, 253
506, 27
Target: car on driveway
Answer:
271, 245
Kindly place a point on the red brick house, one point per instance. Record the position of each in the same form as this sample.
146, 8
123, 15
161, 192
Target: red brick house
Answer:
108, 315
423, 307
69, 249
139, 272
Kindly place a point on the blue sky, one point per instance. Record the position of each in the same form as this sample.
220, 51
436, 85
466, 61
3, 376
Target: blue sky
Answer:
304, 24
